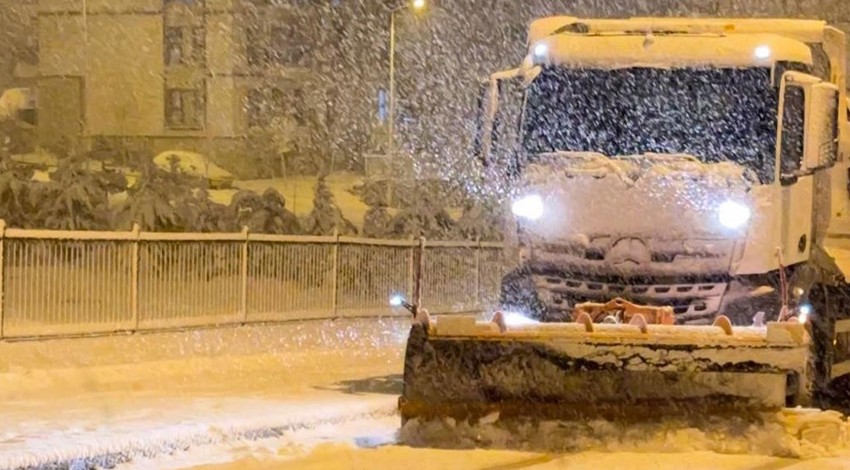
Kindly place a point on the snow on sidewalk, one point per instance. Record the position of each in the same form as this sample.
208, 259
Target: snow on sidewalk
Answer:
133, 396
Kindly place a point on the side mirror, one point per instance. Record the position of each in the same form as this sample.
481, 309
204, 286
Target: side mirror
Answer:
822, 120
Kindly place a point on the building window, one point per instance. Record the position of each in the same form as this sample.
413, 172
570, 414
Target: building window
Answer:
184, 46
279, 45
255, 108
199, 45
290, 103
174, 54
184, 108
288, 45
255, 47
262, 106
298, 107
382, 106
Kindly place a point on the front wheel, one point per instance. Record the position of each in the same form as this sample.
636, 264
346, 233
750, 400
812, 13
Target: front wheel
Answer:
829, 304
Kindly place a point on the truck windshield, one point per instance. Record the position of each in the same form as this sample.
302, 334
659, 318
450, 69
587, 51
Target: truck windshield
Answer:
713, 114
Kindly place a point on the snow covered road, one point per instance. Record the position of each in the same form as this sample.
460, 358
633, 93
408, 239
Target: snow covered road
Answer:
114, 399
336, 456
319, 395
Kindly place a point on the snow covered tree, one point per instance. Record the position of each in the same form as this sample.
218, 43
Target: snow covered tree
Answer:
326, 217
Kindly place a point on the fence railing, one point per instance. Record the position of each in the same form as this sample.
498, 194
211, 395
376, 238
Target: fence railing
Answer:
80, 282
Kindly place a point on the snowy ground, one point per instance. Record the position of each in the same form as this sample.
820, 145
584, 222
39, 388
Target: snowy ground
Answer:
301, 396
151, 394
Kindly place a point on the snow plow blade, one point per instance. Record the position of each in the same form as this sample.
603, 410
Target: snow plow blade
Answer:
466, 369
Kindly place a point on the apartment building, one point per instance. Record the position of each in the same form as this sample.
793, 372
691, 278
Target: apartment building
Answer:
175, 74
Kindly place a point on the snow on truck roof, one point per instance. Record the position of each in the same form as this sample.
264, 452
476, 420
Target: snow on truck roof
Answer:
693, 50
810, 31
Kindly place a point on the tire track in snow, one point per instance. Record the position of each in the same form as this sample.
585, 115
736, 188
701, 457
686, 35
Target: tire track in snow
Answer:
123, 449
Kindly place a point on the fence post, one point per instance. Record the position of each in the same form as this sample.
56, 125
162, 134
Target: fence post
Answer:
134, 277
418, 275
335, 279
411, 269
244, 275
477, 301
2, 278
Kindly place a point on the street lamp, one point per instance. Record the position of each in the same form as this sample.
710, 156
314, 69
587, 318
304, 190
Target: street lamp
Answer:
416, 5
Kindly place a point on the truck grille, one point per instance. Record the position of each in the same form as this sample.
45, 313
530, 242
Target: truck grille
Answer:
695, 303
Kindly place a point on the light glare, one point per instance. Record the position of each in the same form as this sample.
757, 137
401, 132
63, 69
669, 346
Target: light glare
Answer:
418, 4
540, 50
733, 215
805, 313
762, 52
528, 207
396, 301
517, 319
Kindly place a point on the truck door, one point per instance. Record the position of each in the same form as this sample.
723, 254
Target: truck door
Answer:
796, 184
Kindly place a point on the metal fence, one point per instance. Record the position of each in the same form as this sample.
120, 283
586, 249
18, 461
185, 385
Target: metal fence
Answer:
70, 283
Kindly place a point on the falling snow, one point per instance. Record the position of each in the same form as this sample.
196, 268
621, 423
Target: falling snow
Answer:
217, 216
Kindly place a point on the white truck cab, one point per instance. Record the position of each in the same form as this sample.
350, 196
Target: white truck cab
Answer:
696, 163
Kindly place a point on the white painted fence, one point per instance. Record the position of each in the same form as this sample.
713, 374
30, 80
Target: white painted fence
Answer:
74, 282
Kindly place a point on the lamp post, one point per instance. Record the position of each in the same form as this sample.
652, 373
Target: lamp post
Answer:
416, 5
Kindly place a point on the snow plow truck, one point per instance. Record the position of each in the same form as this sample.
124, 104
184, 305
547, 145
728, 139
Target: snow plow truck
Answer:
678, 231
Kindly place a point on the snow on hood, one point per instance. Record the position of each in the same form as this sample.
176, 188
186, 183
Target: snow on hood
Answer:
631, 168
651, 195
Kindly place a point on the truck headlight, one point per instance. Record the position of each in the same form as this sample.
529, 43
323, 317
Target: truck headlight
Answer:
528, 207
733, 215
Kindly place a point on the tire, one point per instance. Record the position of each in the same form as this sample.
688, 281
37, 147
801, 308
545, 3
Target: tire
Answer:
828, 303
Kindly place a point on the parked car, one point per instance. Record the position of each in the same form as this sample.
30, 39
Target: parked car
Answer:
195, 164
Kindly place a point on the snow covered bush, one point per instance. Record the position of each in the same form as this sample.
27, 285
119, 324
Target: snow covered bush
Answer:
18, 196
377, 222
157, 201
264, 213
422, 217
479, 221
206, 216
77, 198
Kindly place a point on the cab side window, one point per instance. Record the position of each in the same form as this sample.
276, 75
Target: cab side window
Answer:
793, 125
